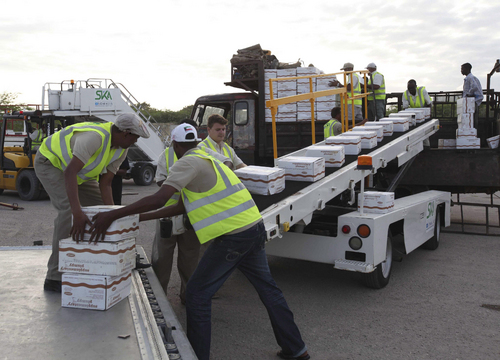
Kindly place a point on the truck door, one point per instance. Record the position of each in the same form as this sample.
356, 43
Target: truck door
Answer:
243, 130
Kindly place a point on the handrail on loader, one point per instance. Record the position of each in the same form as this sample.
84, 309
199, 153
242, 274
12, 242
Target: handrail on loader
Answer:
311, 96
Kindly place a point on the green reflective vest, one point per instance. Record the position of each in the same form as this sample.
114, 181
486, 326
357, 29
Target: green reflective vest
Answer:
38, 140
171, 158
226, 149
380, 92
57, 149
328, 128
357, 91
419, 100
226, 207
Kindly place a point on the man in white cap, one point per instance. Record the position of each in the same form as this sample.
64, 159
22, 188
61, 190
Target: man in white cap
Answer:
354, 82
69, 174
221, 209
376, 86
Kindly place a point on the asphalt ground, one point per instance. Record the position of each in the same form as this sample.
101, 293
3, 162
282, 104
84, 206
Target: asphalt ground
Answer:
440, 304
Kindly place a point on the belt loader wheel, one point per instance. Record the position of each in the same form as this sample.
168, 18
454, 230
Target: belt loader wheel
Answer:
433, 242
380, 277
145, 176
28, 186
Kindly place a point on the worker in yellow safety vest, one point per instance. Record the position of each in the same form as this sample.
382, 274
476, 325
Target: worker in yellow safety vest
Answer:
416, 97
37, 137
69, 163
221, 209
355, 82
376, 87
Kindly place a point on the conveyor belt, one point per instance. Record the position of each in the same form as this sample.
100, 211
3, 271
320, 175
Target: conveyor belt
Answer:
292, 187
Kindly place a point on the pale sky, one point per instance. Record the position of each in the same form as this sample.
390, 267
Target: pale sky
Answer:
169, 52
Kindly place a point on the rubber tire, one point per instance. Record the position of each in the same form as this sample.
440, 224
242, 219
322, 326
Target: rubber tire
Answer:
28, 186
1, 191
433, 242
145, 176
380, 277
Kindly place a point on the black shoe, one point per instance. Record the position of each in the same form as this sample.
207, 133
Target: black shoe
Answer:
52, 285
304, 356
139, 264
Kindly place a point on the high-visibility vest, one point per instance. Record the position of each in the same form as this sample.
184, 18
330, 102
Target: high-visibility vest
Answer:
226, 149
357, 91
38, 140
419, 101
380, 92
171, 158
57, 149
328, 128
226, 207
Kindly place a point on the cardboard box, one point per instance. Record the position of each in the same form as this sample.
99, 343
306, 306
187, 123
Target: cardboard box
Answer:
420, 114
102, 258
323, 115
94, 292
124, 228
299, 168
412, 118
466, 132
399, 124
468, 143
368, 138
322, 82
447, 143
379, 129
351, 143
377, 202
386, 126
334, 155
262, 180
287, 85
466, 105
286, 117
465, 121
493, 142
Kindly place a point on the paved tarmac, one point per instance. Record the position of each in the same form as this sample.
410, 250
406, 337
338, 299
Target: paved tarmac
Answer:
440, 304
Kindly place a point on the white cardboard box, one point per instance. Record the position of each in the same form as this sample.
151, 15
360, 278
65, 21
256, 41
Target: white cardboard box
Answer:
94, 292
420, 114
323, 114
262, 180
466, 105
368, 138
124, 228
399, 124
447, 143
351, 143
299, 168
465, 121
466, 132
377, 202
411, 116
334, 155
386, 125
425, 110
102, 258
379, 129
493, 142
468, 143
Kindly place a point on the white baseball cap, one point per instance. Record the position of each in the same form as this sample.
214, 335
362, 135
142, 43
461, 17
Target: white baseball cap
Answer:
133, 123
371, 66
184, 133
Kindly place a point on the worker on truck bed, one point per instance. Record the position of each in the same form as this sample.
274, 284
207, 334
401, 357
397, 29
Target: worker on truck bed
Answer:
376, 86
355, 81
188, 246
221, 209
416, 97
68, 165
472, 88
215, 140
334, 126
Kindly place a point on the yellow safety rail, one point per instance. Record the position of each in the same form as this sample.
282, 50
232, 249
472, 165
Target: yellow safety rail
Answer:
311, 96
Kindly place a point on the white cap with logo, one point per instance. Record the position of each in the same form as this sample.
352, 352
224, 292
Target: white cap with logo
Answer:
184, 133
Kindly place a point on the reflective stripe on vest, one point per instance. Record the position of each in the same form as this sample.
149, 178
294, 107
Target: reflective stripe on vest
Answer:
57, 149
228, 152
226, 207
328, 128
171, 158
357, 91
419, 100
380, 92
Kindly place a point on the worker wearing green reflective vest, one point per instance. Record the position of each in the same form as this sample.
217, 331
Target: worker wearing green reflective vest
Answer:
355, 82
376, 87
334, 126
220, 209
68, 165
37, 137
188, 246
415, 97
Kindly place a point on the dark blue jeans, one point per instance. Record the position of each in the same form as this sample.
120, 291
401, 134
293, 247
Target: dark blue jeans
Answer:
244, 251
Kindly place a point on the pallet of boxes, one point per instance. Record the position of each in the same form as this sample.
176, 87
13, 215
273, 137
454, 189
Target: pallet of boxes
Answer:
99, 275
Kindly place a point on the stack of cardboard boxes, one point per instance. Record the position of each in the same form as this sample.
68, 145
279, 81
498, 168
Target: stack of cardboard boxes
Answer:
466, 133
97, 275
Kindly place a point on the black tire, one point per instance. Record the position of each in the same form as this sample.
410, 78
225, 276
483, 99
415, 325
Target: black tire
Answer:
1, 191
433, 242
382, 274
145, 176
28, 186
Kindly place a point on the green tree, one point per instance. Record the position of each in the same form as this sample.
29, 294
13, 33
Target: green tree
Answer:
166, 116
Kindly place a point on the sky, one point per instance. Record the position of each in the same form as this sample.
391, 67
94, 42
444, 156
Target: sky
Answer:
168, 53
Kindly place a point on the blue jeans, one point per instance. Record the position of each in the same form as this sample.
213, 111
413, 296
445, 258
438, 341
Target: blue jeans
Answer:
245, 251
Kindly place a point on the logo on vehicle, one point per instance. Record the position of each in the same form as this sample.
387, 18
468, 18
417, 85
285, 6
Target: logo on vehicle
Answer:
430, 209
103, 95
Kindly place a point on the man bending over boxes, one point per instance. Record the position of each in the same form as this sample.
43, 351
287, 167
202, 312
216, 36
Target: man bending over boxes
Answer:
221, 209
68, 165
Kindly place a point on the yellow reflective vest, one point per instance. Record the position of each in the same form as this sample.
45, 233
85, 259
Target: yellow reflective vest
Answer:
171, 158
227, 150
57, 149
328, 128
380, 92
419, 100
38, 140
357, 91
226, 207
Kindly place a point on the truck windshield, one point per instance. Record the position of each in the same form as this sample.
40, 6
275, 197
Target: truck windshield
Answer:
203, 112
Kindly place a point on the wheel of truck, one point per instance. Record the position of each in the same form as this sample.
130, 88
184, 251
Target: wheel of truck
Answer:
380, 277
145, 176
433, 242
28, 186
